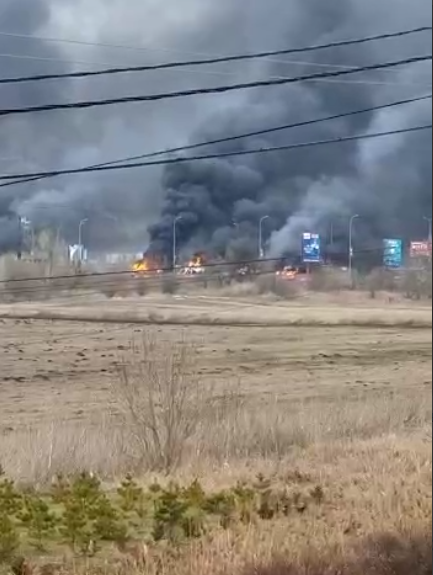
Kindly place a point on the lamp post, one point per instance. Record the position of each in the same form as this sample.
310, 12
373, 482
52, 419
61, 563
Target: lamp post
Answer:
351, 254
177, 219
261, 251
80, 237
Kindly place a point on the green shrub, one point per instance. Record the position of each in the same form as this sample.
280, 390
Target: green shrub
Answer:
10, 507
77, 512
88, 516
39, 520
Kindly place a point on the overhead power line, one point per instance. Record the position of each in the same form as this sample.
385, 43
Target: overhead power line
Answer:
215, 90
217, 60
183, 160
127, 47
221, 73
305, 123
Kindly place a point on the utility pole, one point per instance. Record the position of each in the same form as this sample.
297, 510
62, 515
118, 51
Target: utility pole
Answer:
175, 221
261, 251
351, 254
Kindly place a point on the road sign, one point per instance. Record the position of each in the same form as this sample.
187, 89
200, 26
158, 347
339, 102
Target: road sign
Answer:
421, 250
311, 248
393, 253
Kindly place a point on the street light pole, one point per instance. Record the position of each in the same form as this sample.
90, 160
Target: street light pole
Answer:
80, 238
177, 219
352, 222
261, 251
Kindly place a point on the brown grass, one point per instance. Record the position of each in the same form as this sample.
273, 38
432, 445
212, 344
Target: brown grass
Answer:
255, 314
404, 553
369, 453
232, 434
400, 552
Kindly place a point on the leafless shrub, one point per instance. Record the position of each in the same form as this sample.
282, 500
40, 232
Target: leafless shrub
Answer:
17, 283
381, 280
110, 289
162, 399
281, 287
123, 286
328, 280
170, 284
240, 290
417, 283
141, 286
38, 280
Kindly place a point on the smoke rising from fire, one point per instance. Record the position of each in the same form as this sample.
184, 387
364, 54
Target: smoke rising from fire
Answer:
388, 181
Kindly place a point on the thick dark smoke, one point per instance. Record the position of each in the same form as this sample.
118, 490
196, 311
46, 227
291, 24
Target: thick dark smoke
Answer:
121, 205
24, 16
387, 181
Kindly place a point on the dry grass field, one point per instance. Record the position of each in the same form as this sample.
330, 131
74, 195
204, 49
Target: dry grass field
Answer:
319, 396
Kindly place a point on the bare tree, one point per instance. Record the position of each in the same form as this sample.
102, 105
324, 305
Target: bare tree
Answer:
162, 399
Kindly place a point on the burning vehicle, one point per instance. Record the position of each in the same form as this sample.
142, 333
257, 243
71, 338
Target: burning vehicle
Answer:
291, 270
146, 265
196, 266
288, 273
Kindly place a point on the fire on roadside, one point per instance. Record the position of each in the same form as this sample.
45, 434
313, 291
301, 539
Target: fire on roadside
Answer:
140, 266
291, 273
196, 265
144, 266
197, 261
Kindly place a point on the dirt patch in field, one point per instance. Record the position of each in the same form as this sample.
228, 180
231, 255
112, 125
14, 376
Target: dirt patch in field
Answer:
58, 368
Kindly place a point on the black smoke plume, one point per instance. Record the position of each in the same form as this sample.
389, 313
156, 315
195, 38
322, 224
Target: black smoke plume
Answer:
386, 181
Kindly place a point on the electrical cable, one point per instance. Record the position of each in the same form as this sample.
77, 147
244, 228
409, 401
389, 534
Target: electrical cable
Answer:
222, 155
206, 91
219, 60
195, 146
201, 71
127, 47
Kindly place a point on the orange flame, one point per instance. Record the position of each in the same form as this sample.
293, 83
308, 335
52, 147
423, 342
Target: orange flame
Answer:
140, 266
289, 273
197, 261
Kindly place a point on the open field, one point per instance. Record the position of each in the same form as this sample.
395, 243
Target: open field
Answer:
310, 394
71, 363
